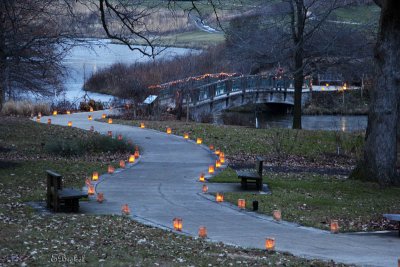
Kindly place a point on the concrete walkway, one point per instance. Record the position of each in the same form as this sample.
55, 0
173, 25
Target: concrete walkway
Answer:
164, 185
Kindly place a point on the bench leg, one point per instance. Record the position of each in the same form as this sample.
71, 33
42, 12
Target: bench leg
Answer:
259, 185
244, 183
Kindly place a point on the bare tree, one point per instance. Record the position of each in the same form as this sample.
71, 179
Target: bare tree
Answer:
32, 44
36, 35
289, 32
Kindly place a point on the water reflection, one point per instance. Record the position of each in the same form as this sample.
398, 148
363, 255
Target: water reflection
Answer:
309, 122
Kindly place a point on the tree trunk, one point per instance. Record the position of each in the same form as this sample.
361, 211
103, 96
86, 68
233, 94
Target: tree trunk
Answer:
3, 63
380, 153
178, 104
298, 88
2, 79
298, 14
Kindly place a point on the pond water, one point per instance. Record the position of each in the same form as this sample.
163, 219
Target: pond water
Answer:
83, 61
345, 123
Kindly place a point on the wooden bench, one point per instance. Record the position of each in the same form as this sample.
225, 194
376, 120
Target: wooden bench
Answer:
253, 175
59, 198
393, 217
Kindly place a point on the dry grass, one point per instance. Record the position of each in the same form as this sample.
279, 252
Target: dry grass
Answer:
314, 200
24, 108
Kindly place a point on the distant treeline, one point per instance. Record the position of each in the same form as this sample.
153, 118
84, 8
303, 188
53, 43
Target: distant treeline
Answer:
132, 81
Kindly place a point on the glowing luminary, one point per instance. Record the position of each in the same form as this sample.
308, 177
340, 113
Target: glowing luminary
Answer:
68, 112
222, 157
111, 169
90, 117
70, 123
270, 243
142, 125
218, 164
219, 197
211, 169
91, 190
137, 154
217, 151
122, 163
334, 227
100, 197
177, 223
202, 177
131, 159
277, 215
103, 116
109, 121
125, 209
55, 113
199, 141
95, 176
205, 188
202, 232
241, 203
186, 136
169, 131
91, 109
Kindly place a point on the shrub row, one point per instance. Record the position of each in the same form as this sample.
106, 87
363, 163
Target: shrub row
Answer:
93, 144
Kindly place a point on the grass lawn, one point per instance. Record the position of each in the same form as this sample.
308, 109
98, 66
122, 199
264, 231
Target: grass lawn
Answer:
360, 14
191, 39
194, 39
314, 200
37, 239
283, 145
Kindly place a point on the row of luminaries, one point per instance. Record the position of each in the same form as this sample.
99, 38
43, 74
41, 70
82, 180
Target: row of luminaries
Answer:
90, 117
178, 222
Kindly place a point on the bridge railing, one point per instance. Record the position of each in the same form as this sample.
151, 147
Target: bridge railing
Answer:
231, 85
243, 83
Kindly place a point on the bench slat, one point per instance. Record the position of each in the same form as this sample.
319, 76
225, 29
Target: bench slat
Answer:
68, 193
248, 174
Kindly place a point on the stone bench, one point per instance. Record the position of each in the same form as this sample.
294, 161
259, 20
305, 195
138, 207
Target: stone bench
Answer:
393, 217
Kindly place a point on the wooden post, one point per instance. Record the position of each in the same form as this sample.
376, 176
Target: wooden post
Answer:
187, 107
362, 86
343, 98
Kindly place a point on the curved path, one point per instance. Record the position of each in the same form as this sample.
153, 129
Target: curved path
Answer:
164, 185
